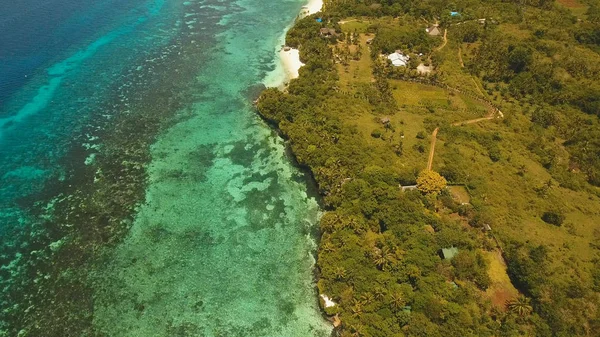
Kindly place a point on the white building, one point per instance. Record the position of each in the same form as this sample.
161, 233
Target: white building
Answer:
398, 59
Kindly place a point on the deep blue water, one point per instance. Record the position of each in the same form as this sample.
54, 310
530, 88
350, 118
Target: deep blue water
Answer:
35, 33
58, 60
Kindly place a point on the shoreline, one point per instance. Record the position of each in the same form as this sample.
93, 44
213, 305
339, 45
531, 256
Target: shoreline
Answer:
287, 67
290, 60
314, 6
287, 63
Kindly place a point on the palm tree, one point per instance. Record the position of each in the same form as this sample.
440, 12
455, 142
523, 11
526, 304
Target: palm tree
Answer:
397, 301
380, 261
328, 247
339, 273
357, 330
383, 258
329, 222
379, 293
355, 225
357, 309
345, 223
519, 305
367, 298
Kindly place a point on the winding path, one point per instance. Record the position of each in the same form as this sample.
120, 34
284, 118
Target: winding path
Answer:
472, 121
445, 41
460, 59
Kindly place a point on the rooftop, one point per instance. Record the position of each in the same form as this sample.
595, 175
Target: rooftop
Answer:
398, 59
449, 253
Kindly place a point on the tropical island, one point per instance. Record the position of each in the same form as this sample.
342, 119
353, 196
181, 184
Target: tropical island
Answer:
457, 150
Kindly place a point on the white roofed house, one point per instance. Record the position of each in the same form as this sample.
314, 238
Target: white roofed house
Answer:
398, 59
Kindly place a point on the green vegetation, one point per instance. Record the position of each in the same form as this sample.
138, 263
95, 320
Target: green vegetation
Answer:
524, 208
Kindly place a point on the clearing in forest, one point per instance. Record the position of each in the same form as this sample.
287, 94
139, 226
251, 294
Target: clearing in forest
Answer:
571, 3
501, 289
460, 194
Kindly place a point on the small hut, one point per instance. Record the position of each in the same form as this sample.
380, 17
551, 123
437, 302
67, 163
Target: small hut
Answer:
449, 253
328, 32
433, 30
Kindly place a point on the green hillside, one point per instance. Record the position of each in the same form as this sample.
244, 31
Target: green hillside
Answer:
504, 102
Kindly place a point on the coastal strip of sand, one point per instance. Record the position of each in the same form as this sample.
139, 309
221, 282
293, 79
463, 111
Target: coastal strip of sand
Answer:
288, 59
314, 6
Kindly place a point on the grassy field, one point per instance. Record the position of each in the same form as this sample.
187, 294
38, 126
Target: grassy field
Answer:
416, 103
450, 71
357, 25
356, 72
460, 194
403, 125
414, 94
576, 7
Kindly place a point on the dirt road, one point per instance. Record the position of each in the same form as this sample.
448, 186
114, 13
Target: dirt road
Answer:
432, 148
470, 121
445, 41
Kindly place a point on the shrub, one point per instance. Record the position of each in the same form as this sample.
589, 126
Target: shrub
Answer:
419, 148
553, 218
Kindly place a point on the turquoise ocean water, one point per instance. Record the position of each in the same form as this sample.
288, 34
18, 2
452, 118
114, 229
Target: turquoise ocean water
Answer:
140, 195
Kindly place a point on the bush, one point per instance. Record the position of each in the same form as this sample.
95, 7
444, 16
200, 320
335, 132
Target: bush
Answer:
472, 267
399, 148
376, 133
467, 211
419, 148
332, 311
553, 218
494, 154
449, 202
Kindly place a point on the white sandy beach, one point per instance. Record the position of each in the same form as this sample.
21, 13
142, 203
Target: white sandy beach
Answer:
289, 61
314, 6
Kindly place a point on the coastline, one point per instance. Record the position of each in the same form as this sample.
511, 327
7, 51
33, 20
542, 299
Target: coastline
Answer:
288, 64
380, 291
